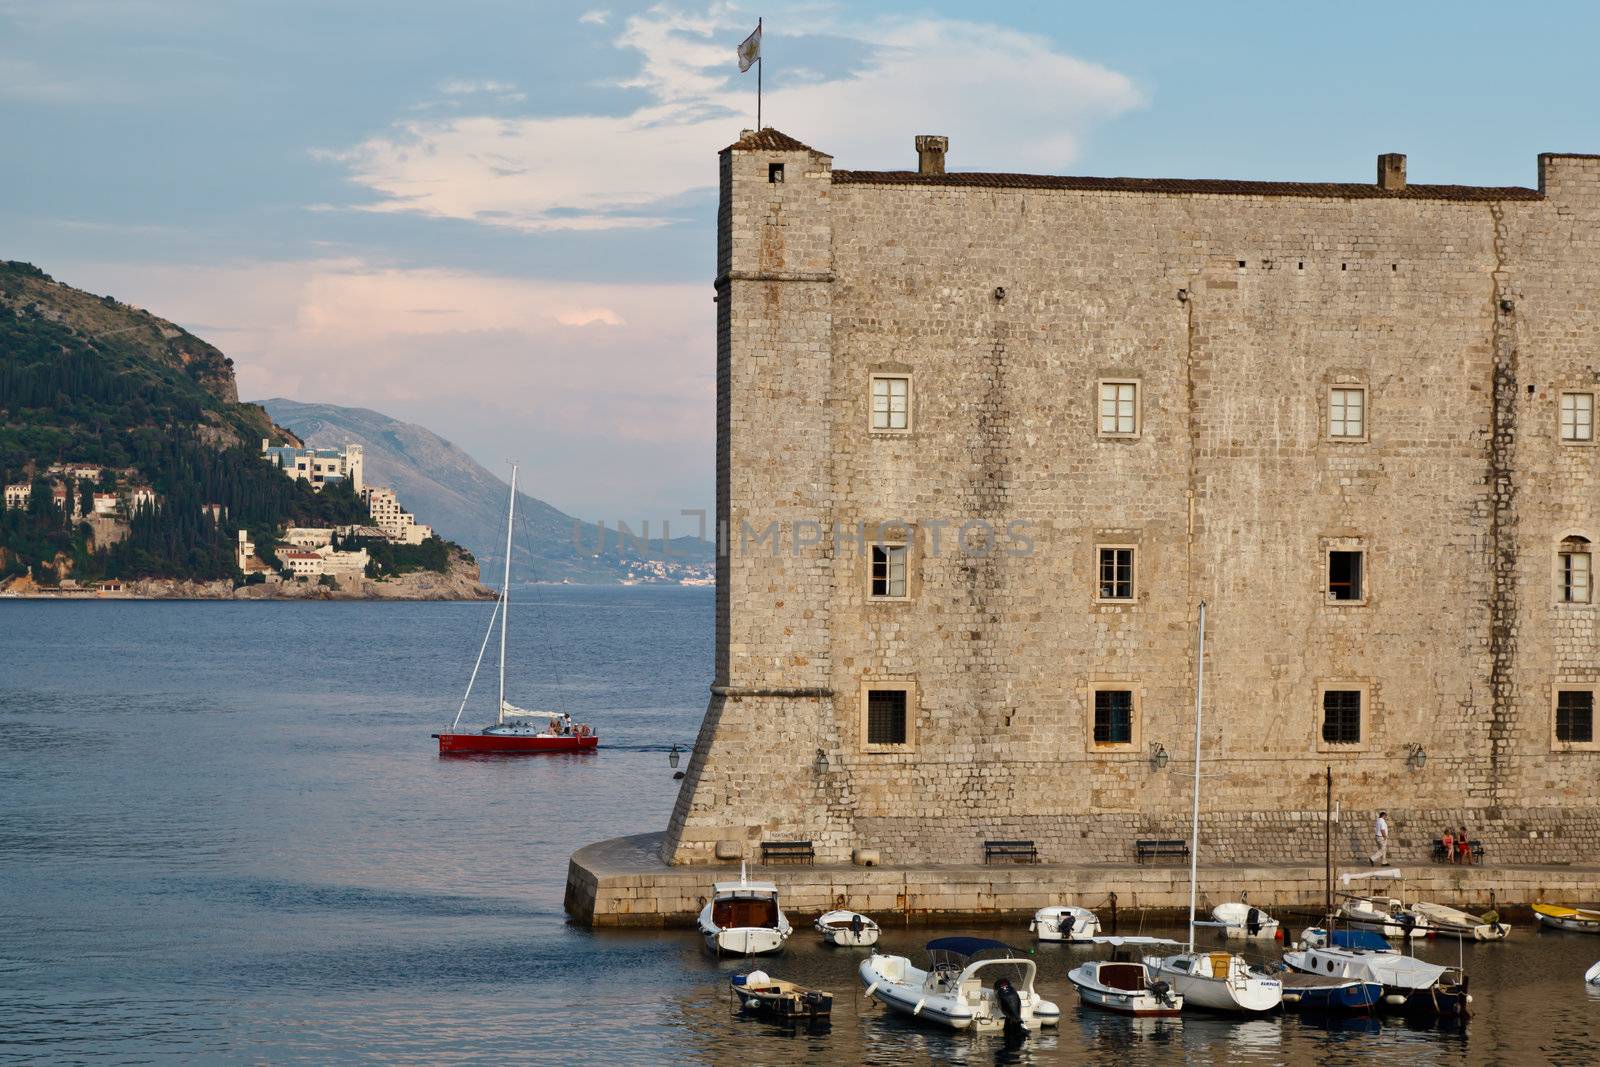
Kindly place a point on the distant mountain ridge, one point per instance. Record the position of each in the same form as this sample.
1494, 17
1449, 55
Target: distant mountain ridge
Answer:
450, 491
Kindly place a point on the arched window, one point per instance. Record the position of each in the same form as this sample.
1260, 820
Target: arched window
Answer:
1573, 582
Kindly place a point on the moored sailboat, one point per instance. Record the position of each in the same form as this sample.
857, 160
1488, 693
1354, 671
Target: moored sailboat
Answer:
516, 731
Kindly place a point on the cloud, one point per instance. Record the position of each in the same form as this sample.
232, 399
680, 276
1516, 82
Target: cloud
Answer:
1009, 100
462, 87
594, 18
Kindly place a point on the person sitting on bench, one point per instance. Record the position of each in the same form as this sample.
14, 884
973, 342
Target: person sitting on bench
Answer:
1448, 842
1463, 847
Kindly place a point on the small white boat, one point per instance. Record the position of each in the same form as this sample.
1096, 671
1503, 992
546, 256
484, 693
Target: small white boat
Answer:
1407, 982
1122, 985
970, 983
760, 994
743, 918
1593, 977
1384, 915
849, 928
1452, 922
1557, 917
1219, 981
1065, 922
1239, 920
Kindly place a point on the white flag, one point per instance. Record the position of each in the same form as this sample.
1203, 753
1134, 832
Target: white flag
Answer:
750, 50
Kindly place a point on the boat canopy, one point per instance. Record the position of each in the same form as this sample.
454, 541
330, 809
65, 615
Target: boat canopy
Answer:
1347, 877
1368, 940
1120, 941
745, 889
969, 946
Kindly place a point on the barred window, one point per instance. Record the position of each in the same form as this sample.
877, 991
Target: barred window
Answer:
1575, 715
1347, 415
1575, 571
1344, 575
1116, 574
886, 716
889, 571
1113, 717
1119, 409
1341, 717
1577, 416
891, 403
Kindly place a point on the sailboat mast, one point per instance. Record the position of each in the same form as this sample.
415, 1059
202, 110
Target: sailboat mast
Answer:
1199, 705
505, 597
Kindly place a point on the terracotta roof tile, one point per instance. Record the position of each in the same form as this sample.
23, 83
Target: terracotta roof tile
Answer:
1217, 187
770, 140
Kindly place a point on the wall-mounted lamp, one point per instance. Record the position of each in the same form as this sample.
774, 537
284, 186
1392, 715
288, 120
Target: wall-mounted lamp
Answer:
821, 762
1417, 759
1508, 305
999, 292
673, 757
1159, 757
1183, 296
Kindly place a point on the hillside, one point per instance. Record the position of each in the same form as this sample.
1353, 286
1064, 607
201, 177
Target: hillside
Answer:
147, 417
451, 491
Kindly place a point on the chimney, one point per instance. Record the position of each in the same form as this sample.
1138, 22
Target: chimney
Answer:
1392, 171
930, 153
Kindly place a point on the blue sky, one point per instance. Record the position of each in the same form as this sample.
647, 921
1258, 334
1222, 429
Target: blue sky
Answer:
495, 219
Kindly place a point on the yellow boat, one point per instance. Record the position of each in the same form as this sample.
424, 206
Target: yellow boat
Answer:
1583, 920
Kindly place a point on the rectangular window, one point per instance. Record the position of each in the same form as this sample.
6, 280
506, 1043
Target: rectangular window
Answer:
1575, 716
1344, 575
886, 716
889, 571
1116, 574
1347, 414
1341, 717
1577, 417
1113, 717
1119, 409
891, 403
1575, 571
775, 172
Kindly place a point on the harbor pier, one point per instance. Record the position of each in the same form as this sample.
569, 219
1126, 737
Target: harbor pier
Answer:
624, 882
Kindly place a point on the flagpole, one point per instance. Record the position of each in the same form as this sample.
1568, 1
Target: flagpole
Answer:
758, 77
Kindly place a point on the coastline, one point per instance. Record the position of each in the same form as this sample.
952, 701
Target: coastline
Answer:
460, 582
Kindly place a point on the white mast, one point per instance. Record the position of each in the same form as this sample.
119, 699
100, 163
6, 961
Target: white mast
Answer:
505, 601
1199, 702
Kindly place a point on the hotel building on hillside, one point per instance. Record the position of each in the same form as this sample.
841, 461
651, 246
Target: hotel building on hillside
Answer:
319, 466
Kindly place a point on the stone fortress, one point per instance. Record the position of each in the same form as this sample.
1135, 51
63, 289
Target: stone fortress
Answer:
986, 441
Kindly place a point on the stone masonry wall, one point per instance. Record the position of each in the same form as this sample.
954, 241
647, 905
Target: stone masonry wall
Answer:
1236, 313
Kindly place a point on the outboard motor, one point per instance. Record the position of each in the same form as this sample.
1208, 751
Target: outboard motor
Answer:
1252, 921
1069, 920
1009, 1001
856, 925
1162, 991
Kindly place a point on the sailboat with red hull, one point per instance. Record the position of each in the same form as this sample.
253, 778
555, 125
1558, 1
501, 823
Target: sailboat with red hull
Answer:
515, 731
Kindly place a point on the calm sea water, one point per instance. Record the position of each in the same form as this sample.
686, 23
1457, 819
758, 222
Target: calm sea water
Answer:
226, 836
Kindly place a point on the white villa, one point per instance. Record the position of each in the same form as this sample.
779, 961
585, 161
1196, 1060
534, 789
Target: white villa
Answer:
398, 525
319, 466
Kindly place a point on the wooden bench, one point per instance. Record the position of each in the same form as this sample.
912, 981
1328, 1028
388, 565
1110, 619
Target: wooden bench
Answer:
787, 852
1154, 849
1019, 851
1440, 856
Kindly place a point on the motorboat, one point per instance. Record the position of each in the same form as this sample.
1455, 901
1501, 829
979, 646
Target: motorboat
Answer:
1593, 975
515, 731
1452, 922
1065, 922
1218, 981
1386, 915
1408, 983
1239, 920
773, 998
849, 928
1322, 992
969, 983
743, 919
1557, 917
1124, 985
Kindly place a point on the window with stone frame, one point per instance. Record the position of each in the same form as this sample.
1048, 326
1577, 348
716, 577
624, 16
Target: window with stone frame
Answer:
1345, 577
1347, 412
891, 402
1116, 572
1119, 409
1577, 418
1341, 716
1113, 717
1574, 571
889, 566
1575, 716
886, 717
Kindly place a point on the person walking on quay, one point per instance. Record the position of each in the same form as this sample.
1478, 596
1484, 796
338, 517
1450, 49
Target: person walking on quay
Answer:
1380, 831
